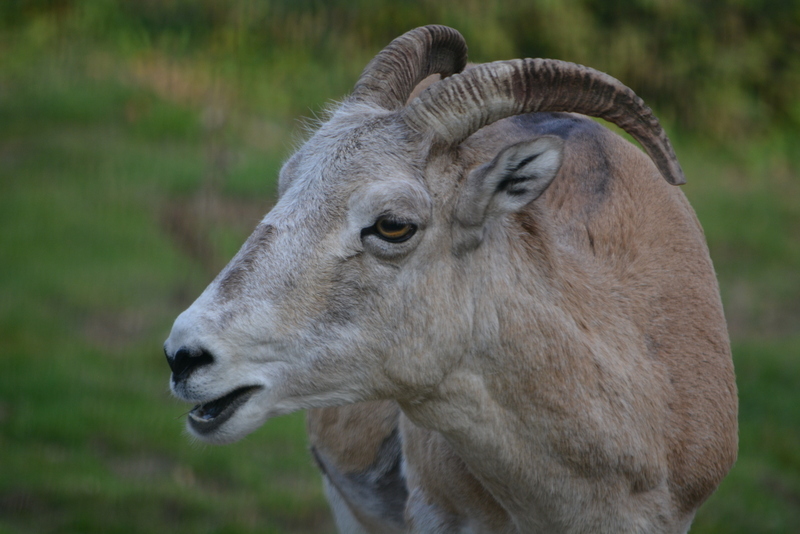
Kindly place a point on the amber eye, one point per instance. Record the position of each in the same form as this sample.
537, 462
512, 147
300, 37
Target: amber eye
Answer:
393, 231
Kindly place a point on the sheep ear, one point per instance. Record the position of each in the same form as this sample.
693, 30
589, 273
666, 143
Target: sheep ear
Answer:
515, 177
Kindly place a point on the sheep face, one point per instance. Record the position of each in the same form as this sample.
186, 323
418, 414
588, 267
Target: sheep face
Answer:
362, 281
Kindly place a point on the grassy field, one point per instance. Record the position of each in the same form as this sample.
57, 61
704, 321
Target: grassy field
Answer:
130, 172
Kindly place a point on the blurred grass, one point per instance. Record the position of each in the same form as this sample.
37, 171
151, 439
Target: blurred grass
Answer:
139, 145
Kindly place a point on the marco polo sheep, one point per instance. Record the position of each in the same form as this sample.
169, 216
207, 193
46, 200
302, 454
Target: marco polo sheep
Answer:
501, 315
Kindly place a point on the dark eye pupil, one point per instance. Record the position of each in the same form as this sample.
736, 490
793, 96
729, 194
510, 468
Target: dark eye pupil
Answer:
392, 227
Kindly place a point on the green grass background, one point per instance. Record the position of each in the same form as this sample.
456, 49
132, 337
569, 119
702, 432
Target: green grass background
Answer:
139, 145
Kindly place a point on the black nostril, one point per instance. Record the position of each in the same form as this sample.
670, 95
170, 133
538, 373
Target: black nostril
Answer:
184, 362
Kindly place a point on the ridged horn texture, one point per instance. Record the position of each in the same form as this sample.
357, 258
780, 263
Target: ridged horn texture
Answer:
456, 108
391, 76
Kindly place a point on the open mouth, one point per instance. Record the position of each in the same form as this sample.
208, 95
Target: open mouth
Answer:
207, 417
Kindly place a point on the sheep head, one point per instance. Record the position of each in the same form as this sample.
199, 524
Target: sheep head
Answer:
368, 278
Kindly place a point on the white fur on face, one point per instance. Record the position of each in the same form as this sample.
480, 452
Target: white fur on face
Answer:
313, 310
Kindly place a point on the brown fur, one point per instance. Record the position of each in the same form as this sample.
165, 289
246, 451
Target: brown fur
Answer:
625, 254
351, 435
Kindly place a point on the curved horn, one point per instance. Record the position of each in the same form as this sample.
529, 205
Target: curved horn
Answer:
456, 108
391, 76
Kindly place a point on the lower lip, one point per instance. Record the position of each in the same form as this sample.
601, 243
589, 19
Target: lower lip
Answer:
202, 423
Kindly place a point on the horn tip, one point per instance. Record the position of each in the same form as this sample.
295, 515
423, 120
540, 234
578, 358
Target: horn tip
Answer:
675, 177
